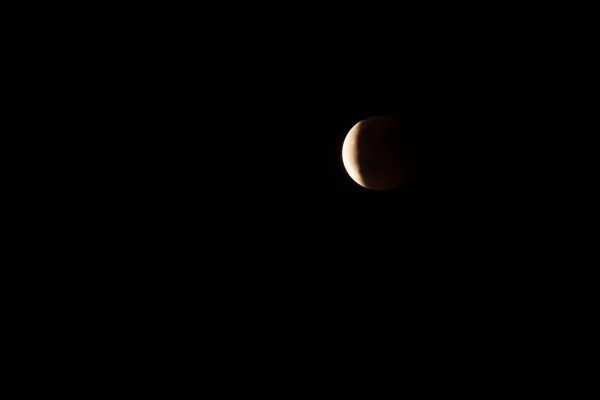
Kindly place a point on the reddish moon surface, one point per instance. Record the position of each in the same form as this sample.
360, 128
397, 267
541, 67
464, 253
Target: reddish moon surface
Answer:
378, 153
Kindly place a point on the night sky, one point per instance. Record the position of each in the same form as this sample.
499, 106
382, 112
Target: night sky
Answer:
246, 172
251, 227
236, 155
234, 151
232, 212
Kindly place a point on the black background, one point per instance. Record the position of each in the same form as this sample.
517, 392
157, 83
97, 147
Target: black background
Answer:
194, 218
231, 147
235, 178
228, 210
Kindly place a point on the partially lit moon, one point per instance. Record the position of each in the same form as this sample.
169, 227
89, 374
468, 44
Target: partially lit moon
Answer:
378, 153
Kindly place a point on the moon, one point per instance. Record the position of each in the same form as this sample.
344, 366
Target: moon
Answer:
377, 153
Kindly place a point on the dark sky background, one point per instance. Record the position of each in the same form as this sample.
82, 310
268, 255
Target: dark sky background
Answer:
242, 172
232, 214
234, 183
237, 149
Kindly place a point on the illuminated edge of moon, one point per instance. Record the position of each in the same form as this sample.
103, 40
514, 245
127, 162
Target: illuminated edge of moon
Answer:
351, 166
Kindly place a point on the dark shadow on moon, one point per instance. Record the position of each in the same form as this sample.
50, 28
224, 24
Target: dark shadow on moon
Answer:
386, 152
